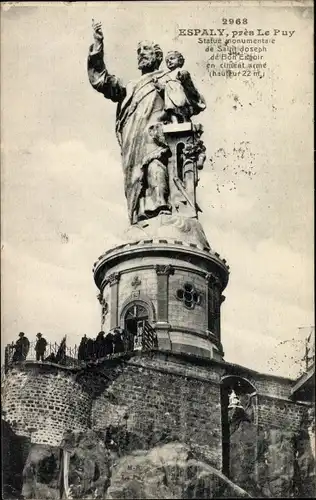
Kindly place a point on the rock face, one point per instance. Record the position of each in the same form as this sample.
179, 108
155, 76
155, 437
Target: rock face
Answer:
88, 470
244, 457
15, 450
98, 469
304, 465
112, 465
168, 471
41, 473
89, 466
276, 463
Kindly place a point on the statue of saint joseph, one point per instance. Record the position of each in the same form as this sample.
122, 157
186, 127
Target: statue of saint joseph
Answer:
140, 107
141, 112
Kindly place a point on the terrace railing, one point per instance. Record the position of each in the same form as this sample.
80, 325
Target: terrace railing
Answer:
145, 339
54, 352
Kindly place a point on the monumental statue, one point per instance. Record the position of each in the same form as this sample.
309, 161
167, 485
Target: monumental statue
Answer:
151, 113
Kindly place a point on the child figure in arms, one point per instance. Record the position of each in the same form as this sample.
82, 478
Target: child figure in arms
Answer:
182, 99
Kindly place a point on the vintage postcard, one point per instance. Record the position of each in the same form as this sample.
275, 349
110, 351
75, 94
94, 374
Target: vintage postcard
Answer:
157, 249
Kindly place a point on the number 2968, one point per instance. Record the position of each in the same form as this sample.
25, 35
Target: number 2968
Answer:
235, 21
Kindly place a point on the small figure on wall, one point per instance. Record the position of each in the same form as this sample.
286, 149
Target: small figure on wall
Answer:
40, 347
118, 341
108, 344
22, 347
83, 349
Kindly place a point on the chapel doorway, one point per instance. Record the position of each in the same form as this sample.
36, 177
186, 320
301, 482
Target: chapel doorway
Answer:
135, 319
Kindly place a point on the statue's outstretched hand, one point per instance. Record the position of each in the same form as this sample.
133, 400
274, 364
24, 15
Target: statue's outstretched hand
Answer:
97, 31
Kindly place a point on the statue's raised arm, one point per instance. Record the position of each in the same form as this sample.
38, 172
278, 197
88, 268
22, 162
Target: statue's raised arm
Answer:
99, 77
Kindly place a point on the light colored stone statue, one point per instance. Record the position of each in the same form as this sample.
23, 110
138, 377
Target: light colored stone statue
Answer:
143, 107
234, 401
161, 148
139, 109
182, 99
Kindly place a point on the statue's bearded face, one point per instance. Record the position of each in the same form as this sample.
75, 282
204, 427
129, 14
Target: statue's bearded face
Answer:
146, 57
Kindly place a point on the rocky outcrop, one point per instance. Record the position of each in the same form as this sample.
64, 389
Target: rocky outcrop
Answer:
41, 473
275, 462
15, 450
116, 465
88, 470
285, 464
99, 468
90, 464
304, 450
168, 471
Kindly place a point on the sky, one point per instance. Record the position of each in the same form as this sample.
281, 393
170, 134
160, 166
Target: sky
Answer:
62, 199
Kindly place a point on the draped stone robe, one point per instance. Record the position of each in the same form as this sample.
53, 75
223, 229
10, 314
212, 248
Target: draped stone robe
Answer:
139, 108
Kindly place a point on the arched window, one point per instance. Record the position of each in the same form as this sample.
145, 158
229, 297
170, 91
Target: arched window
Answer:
136, 312
137, 317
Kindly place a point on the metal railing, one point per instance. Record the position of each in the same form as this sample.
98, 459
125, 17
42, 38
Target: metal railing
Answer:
54, 352
145, 339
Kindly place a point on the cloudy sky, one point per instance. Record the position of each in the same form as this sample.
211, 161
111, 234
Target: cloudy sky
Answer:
62, 185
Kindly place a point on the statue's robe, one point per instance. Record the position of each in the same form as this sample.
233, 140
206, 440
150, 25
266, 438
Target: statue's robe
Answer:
181, 95
140, 107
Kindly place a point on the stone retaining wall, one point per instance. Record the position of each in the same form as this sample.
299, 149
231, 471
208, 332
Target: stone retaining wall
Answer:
42, 401
156, 397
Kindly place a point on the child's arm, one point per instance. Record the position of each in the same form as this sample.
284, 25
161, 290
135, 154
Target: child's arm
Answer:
159, 86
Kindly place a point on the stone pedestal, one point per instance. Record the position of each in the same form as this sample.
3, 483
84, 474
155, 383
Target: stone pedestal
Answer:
177, 286
166, 274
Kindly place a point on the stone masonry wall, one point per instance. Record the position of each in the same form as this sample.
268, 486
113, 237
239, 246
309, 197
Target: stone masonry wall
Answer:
44, 401
159, 400
158, 397
271, 386
147, 287
280, 414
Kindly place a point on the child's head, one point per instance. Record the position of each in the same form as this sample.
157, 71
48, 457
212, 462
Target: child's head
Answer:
174, 59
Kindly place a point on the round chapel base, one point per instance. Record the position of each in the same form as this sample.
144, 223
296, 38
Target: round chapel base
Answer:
172, 286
